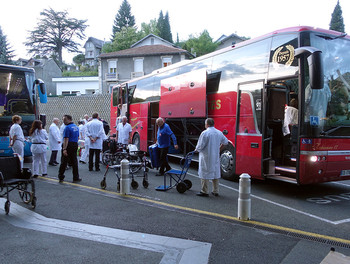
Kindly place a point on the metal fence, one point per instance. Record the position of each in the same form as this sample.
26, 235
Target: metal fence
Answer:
76, 106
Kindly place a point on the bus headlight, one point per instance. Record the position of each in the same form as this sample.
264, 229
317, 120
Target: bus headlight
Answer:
313, 158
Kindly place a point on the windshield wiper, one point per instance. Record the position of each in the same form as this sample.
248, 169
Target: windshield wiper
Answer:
331, 130
332, 38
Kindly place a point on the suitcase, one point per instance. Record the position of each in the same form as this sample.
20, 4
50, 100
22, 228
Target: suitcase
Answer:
154, 155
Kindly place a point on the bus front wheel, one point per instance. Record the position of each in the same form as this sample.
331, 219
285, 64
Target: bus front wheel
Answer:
227, 162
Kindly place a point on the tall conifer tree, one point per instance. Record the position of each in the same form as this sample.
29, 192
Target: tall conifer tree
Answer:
6, 54
337, 22
163, 25
123, 18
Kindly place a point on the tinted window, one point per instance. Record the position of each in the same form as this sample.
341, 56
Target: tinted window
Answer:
242, 64
282, 60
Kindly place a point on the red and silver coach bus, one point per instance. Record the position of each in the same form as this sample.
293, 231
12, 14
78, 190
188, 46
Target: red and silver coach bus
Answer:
246, 89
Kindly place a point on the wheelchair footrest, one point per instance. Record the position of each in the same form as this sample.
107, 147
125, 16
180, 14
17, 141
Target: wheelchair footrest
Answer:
163, 188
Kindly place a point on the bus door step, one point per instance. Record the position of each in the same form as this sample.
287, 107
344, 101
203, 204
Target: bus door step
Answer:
283, 178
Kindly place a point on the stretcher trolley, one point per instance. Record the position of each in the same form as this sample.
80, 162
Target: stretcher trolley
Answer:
12, 177
137, 161
177, 178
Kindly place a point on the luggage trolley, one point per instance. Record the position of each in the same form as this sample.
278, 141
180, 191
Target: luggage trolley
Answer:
137, 161
179, 176
12, 177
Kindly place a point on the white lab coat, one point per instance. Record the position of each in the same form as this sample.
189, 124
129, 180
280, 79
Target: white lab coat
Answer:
18, 146
55, 137
208, 147
290, 118
95, 129
124, 133
39, 138
38, 149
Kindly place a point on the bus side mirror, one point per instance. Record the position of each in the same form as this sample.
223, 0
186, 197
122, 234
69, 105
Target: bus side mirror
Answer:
42, 91
314, 60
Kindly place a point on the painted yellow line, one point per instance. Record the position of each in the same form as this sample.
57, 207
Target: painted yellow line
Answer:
218, 215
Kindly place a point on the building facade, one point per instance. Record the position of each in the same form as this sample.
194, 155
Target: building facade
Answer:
93, 47
45, 69
145, 56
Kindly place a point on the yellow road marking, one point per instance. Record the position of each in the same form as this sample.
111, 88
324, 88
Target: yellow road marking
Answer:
228, 217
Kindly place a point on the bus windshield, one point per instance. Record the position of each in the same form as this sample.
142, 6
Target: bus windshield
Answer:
332, 103
15, 93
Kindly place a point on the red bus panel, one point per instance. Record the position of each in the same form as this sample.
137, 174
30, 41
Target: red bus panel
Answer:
323, 160
184, 95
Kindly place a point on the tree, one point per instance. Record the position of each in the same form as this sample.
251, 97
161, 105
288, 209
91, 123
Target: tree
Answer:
79, 59
123, 40
55, 32
123, 18
163, 26
150, 28
6, 54
337, 22
200, 45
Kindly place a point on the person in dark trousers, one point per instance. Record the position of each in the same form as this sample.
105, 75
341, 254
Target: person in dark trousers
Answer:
164, 134
96, 134
69, 149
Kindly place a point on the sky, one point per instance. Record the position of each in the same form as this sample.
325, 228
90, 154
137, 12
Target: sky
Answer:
248, 18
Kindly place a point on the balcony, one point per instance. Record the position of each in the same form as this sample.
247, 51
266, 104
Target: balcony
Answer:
136, 74
111, 76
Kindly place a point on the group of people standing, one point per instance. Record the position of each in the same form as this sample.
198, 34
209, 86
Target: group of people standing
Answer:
93, 132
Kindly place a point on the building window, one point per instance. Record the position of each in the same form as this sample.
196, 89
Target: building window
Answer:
152, 41
166, 61
112, 66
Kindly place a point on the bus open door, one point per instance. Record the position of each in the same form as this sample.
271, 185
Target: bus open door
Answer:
249, 138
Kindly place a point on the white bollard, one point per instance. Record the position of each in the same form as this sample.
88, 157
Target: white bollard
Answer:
124, 178
244, 203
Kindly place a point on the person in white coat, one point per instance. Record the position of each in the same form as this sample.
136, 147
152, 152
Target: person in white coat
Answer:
96, 134
123, 132
54, 141
38, 148
208, 147
17, 137
86, 149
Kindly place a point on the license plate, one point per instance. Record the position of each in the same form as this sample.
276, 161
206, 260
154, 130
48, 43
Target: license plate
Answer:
345, 173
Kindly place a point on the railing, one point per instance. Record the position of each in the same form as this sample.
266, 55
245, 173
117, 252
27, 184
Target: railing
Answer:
111, 76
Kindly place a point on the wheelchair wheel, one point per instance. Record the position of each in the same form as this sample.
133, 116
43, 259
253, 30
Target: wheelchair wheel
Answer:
7, 207
181, 187
107, 157
188, 184
26, 192
134, 184
145, 184
103, 184
136, 159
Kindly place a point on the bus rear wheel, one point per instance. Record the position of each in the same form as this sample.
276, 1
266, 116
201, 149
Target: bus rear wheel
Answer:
227, 162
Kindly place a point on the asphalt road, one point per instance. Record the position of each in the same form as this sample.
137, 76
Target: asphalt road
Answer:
81, 223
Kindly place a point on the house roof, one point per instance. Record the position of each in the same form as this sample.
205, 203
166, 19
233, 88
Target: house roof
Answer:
148, 50
153, 36
223, 38
97, 42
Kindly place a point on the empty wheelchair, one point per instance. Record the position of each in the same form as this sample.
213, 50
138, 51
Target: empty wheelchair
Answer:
177, 178
12, 178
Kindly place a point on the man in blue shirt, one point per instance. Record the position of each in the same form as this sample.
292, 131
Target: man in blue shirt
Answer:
69, 149
164, 134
